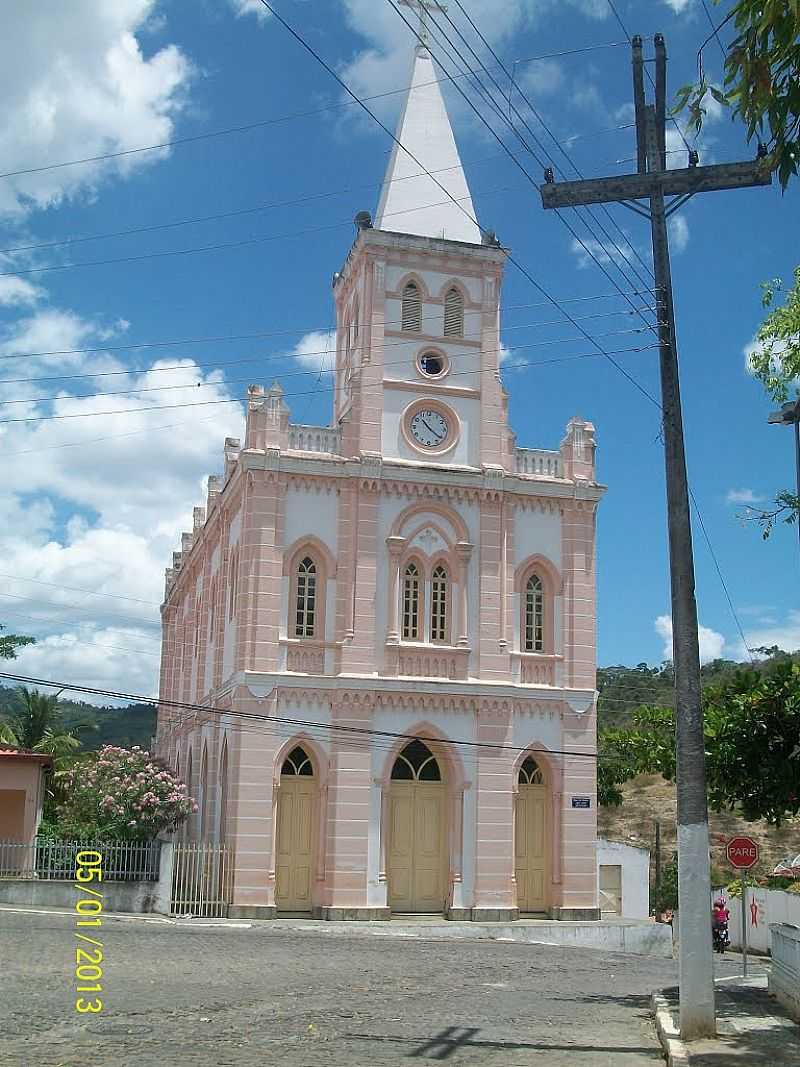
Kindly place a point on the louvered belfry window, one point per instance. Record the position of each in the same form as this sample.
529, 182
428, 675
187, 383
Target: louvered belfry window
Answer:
412, 307
439, 604
411, 603
306, 598
534, 614
454, 314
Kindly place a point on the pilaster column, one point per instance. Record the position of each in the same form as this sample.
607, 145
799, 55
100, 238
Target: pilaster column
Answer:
464, 552
383, 784
395, 546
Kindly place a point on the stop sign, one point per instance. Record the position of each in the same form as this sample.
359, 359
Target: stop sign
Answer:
742, 852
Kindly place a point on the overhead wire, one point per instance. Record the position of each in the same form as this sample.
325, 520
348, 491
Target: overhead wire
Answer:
259, 335
379, 385
588, 211
486, 95
249, 716
262, 123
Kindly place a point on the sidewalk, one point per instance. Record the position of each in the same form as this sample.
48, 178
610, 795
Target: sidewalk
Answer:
752, 1029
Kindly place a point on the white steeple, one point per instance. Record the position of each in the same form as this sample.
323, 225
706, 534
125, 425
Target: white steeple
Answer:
408, 192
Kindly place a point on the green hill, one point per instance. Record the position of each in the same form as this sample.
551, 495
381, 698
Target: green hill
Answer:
130, 724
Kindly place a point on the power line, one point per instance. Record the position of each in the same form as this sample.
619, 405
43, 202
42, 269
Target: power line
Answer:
261, 123
641, 389
222, 246
378, 385
334, 728
552, 136
228, 214
260, 335
488, 96
295, 357
73, 589
624, 28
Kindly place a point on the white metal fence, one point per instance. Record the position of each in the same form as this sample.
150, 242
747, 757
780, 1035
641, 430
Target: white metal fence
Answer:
202, 880
45, 858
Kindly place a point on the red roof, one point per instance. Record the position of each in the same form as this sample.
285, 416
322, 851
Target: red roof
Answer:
31, 757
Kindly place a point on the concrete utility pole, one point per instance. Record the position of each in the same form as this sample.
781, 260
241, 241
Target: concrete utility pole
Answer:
789, 415
654, 182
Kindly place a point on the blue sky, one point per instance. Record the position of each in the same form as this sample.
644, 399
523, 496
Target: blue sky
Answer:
96, 503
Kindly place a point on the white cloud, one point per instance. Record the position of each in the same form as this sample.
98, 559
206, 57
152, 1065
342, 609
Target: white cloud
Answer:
75, 83
316, 350
742, 496
119, 658
15, 291
678, 6
384, 64
679, 233
711, 642
621, 252
250, 7
784, 634
776, 352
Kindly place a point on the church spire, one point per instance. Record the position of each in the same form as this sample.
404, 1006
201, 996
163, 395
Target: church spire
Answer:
411, 201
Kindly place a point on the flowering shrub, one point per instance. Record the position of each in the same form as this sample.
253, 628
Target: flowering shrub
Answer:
121, 794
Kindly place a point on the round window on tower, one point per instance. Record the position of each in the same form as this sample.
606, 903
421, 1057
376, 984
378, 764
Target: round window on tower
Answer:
433, 364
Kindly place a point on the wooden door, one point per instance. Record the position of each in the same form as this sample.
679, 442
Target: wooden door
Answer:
532, 865
294, 873
416, 846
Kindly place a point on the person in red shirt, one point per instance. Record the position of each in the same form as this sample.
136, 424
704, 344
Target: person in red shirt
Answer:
719, 913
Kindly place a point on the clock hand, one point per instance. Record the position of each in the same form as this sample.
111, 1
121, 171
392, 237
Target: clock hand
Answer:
435, 434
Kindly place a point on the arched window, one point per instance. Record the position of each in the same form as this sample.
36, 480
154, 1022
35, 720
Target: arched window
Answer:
297, 762
530, 773
306, 599
411, 605
356, 326
233, 581
416, 763
439, 604
212, 611
534, 615
412, 307
198, 608
454, 313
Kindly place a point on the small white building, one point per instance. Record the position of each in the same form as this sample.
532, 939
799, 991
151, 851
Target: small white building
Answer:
623, 879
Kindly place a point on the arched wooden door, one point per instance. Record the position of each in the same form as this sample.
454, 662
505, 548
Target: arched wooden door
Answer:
532, 834
417, 851
296, 822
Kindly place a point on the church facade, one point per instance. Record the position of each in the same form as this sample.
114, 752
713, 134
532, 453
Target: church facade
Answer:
385, 628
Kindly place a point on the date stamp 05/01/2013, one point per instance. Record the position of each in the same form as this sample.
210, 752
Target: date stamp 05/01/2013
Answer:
88, 908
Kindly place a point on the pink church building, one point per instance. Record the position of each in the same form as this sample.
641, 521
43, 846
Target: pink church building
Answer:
386, 626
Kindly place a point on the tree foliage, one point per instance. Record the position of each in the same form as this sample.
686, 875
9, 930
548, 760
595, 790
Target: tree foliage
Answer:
9, 643
761, 81
36, 726
752, 735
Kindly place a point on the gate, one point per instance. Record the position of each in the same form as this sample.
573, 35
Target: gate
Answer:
202, 880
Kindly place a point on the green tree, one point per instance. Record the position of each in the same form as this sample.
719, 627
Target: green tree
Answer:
761, 81
775, 361
752, 733
9, 643
37, 726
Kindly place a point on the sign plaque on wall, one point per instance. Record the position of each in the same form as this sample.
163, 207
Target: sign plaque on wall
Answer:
581, 802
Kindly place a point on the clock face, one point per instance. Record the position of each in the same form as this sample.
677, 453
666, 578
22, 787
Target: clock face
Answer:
430, 428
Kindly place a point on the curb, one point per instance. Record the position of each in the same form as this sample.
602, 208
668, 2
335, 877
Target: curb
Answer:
675, 1050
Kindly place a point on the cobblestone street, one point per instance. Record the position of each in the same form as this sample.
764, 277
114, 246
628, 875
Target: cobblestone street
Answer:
256, 996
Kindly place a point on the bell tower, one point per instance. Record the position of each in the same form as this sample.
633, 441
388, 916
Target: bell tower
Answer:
417, 305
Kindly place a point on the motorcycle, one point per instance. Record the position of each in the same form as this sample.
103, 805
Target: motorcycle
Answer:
721, 937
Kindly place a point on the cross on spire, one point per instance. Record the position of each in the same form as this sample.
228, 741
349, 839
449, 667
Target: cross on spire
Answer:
422, 7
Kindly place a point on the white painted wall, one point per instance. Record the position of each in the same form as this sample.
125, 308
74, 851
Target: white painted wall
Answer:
771, 906
394, 446
538, 533
635, 863
311, 511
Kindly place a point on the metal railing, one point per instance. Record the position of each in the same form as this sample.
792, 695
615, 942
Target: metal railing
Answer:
202, 880
46, 858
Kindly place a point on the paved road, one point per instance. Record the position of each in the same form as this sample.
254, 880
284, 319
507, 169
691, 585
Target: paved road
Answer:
235, 997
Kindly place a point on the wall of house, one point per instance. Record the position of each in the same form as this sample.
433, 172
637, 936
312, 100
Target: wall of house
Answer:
21, 786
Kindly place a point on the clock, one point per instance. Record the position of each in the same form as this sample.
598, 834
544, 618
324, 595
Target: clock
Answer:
430, 428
